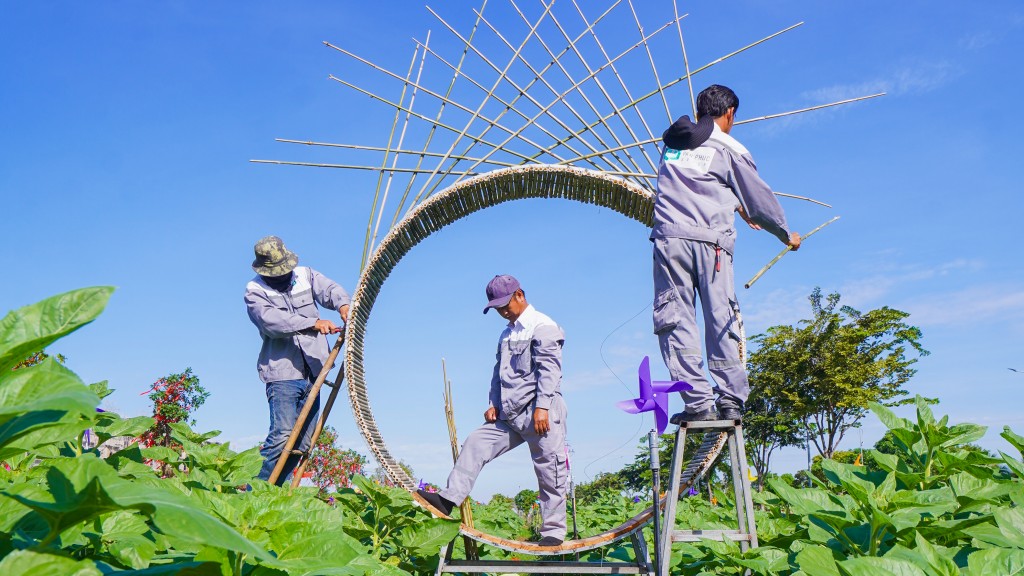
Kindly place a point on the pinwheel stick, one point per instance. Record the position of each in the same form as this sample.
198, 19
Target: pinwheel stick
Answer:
783, 253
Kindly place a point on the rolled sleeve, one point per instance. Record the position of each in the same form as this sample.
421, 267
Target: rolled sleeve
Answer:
547, 360
271, 321
327, 292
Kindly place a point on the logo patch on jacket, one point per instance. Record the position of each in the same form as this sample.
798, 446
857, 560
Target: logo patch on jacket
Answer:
698, 159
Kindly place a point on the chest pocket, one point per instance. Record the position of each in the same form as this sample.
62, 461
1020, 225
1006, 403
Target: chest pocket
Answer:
303, 304
519, 356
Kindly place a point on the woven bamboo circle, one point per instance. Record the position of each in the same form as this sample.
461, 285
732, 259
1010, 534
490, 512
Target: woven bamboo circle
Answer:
446, 207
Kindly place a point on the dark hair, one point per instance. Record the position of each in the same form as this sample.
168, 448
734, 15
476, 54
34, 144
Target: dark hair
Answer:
716, 100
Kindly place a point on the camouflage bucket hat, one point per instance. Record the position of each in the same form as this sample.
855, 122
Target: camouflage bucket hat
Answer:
272, 258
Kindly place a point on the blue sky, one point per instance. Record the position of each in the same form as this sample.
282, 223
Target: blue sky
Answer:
127, 129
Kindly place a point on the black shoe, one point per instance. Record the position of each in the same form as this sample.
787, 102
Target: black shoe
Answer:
550, 541
729, 409
437, 501
708, 414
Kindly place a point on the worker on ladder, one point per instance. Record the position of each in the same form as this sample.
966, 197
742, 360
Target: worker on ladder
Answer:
282, 302
525, 405
706, 176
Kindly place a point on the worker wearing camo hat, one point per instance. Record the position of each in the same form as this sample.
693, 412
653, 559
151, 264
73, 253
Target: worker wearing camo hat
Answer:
282, 302
525, 405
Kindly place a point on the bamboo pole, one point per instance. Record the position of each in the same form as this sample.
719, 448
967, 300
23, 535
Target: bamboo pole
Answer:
440, 111
650, 58
526, 89
483, 102
783, 253
407, 152
320, 423
719, 60
607, 96
418, 171
466, 506
622, 82
686, 61
566, 92
818, 107
429, 92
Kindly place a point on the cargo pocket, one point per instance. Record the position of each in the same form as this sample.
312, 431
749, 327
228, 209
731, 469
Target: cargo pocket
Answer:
303, 304
561, 472
519, 355
667, 313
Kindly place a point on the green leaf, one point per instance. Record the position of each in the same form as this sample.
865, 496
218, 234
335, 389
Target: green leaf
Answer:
1015, 439
1004, 562
109, 425
817, 560
425, 538
41, 397
875, 566
32, 328
29, 563
1011, 524
889, 418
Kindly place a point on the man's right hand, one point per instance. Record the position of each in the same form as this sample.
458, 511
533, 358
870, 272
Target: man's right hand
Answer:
491, 414
326, 327
794, 241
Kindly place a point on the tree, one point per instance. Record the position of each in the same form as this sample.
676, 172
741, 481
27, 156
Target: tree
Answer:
830, 367
330, 465
768, 421
175, 397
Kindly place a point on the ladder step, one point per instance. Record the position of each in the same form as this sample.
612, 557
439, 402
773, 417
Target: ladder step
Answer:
698, 535
711, 425
297, 453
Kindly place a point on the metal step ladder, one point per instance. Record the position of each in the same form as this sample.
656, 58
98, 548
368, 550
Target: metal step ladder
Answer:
746, 535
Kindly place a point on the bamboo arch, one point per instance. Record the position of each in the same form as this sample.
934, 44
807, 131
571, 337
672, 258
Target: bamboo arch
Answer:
440, 210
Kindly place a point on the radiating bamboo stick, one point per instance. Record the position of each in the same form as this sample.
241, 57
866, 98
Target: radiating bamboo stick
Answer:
568, 76
783, 194
368, 241
783, 253
421, 170
418, 115
719, 60
526, 89
686, 61
440, 111
571, 88
408, 152
622, 82
434, 94
818, 107
607, 96
650, 58
483, 102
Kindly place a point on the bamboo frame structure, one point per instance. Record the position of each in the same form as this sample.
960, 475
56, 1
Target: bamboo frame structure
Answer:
598, 155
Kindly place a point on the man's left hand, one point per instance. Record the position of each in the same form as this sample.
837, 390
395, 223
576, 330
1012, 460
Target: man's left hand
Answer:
343, 312
540, 421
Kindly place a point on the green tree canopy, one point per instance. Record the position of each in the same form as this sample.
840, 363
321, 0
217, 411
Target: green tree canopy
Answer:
823, 373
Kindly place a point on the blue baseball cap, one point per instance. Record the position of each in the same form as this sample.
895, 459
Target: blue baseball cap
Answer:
500, 290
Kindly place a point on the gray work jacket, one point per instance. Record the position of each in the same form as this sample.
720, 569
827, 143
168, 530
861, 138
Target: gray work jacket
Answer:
285, 321
528, 364
699, 190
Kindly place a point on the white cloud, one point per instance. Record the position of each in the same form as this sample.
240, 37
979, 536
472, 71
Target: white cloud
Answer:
910, 78
969, 306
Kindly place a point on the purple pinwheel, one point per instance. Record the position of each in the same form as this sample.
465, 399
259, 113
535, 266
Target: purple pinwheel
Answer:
653, 396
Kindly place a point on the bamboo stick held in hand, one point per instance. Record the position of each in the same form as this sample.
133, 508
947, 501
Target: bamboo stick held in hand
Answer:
783, 253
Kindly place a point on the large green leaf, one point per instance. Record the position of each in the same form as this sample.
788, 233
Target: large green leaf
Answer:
29, 563
875, 566
27, 330
41, 397
1016, 439
426, 537
1004, 562
817, 561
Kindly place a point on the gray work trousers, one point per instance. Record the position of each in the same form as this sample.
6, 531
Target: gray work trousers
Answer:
683, 271
493, 439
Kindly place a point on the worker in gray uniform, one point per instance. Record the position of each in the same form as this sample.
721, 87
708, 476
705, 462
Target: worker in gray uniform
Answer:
705, 177
525, 405
282, 303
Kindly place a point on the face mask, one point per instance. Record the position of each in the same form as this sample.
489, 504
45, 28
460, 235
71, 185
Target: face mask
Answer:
279, 283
